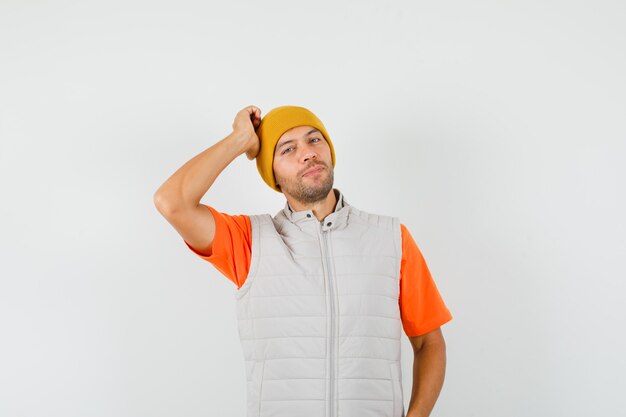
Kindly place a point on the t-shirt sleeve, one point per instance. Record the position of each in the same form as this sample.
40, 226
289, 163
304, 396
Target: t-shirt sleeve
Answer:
421, 307
232, 246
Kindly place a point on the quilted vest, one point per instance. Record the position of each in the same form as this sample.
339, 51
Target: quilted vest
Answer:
319, 317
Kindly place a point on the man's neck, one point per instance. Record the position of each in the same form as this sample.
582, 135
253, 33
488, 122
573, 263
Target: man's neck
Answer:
320, 209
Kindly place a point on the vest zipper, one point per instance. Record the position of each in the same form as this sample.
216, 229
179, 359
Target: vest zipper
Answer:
332, 326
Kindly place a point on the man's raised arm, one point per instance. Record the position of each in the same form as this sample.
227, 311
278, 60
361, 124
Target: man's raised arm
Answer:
178, 198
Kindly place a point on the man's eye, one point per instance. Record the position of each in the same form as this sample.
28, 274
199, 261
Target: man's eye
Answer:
286, 149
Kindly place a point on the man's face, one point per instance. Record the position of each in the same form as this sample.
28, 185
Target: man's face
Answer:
298, 151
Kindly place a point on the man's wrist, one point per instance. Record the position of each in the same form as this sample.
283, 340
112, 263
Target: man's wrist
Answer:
239, 141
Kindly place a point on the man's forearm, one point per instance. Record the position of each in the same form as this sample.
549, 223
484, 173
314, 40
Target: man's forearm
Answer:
429, 368
191, 181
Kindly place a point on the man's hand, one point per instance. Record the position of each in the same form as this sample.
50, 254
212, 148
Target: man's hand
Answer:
245, 125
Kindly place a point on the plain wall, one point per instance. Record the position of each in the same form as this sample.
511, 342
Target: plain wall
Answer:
493, 129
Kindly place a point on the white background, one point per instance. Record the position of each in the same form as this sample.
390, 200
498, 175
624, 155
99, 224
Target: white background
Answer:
493, 129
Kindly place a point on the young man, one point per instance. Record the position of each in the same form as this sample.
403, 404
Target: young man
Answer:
324, 289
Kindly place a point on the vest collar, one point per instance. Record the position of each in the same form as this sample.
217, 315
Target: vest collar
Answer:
333, 220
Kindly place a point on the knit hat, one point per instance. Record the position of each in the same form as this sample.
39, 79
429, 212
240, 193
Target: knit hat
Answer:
276, 122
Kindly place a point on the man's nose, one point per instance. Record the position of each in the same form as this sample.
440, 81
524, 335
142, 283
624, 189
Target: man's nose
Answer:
307, 153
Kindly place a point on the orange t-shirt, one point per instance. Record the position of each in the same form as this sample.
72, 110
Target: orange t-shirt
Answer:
421, 307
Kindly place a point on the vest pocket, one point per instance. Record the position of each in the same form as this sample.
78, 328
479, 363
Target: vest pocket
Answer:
396, 390
254, 391
261, 380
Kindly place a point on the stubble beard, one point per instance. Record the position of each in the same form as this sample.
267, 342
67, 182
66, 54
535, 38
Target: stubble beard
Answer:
308, 191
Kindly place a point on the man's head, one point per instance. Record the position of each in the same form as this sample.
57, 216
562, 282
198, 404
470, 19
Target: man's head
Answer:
293, 140
302, 165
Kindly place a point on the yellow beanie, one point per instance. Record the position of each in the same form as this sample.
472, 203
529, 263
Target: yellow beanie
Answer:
272, 126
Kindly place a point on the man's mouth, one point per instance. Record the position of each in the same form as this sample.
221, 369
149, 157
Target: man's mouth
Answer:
313, 171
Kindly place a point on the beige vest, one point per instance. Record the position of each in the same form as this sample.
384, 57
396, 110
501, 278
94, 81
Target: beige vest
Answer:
318, 314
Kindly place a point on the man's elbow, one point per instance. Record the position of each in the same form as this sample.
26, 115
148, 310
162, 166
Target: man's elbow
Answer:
163, 204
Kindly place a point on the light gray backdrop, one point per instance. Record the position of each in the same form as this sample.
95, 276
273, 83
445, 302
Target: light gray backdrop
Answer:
493, 129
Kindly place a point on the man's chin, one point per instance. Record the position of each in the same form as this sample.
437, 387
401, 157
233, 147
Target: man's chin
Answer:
309, 194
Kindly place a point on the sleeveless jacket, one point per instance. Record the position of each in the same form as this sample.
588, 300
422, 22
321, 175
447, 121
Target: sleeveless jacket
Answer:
319, 316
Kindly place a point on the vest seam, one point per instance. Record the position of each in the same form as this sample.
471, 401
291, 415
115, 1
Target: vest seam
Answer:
343, 377
280, 255
291, 337
317, 295
322, 399
342, 274
324, 357
363, 399
344, 315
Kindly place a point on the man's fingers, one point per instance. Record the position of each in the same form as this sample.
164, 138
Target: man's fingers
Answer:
253, 109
